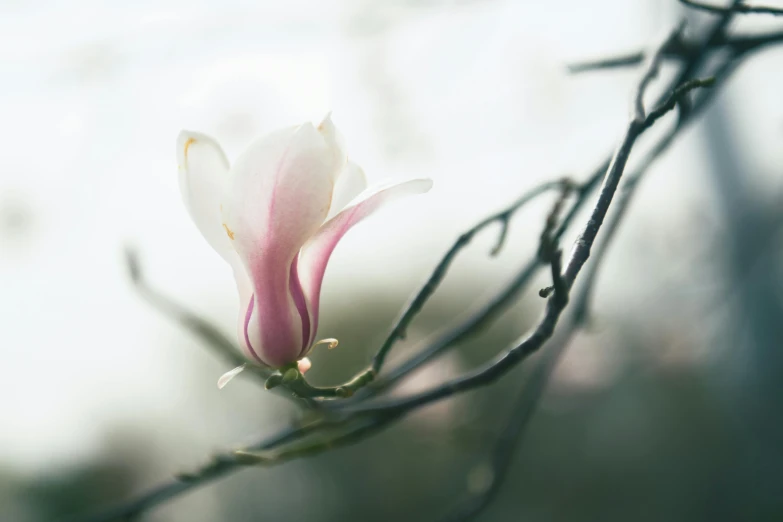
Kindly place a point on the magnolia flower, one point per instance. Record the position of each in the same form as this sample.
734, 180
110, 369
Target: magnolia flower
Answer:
276, 216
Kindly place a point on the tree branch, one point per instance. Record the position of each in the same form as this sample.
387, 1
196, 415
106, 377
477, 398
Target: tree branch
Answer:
681, 50
491, 371
482, 317
652, 68
219, 466
522, 411
534, 388
213, 338
738, 8
417, 303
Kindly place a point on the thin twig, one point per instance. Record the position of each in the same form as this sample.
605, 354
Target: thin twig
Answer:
652, 68
213, 338
521, 414
581, 303
477, 322
484, 316
739, 8
533, 390
415, 305
626, 60
218, 466
368, 425
499, 366
683, 50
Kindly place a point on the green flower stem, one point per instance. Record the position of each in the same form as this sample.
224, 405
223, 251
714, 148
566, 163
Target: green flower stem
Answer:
292, 379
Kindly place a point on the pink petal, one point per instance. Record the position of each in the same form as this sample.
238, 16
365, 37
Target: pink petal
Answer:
281, 192
316, 253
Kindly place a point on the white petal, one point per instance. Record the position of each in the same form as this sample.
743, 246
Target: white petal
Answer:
228, 376
334, 139
203, 180
280, 192
245, 291
350, 184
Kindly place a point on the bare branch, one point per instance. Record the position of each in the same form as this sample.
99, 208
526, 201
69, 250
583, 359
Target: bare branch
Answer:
421, 297
484, 316
218, 466
367, 426
738, 8
213, 338
738, 45
533, 390
652, 68
486, 374
625, 60
522, 411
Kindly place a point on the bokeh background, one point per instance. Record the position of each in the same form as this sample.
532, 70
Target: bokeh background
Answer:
667, 408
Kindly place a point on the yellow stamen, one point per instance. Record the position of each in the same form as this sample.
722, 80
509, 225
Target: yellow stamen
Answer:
332, 343
229, 232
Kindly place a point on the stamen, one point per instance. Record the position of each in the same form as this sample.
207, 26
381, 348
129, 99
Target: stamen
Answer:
228, 376
330, 341
229, 232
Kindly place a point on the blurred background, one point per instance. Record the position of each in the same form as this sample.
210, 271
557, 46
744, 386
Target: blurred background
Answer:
666, 408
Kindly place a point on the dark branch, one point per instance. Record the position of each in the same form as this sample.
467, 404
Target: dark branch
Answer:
488, 373
652, 68
522, 412
473, 325
531, 394
484, 316
626, 60
417, 303
682, 50
213, 338
739, 8
219, 466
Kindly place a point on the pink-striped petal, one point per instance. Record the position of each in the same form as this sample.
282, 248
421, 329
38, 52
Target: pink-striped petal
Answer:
315, 255
281, 192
